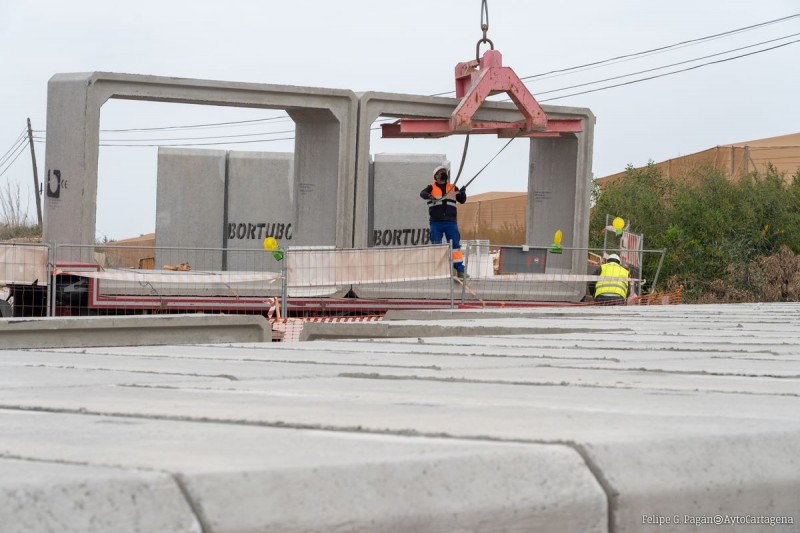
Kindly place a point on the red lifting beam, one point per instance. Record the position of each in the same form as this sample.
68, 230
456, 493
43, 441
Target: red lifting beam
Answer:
476, 81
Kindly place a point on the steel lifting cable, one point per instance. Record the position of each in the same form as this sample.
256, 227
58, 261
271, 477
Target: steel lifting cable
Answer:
463, 158
487, 164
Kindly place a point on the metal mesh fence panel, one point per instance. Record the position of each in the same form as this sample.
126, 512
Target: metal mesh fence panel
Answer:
504, 275
122, 280
293, 286
363, 282
24, 279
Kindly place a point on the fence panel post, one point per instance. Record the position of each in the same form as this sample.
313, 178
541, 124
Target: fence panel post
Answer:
284, 286
52, 257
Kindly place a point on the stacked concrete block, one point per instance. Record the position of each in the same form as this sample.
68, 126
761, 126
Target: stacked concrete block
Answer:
399, 217
190, 207
325, 139
259, 205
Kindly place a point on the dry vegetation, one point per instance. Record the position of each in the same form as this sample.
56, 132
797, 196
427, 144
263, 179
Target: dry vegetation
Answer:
15, 224
774, 278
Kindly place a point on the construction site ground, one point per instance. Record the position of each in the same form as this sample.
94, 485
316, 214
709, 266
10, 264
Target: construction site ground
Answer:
590, 419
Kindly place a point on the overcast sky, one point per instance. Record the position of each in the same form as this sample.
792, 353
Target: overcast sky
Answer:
402, 47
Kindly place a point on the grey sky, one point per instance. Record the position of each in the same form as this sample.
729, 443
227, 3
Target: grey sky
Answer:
404, 47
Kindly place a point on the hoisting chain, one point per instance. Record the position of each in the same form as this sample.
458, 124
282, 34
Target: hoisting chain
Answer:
484, 28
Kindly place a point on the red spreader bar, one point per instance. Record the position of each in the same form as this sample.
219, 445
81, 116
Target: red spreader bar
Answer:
476, 81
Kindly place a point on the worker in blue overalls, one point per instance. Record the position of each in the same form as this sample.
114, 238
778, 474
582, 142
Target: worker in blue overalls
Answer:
442, 197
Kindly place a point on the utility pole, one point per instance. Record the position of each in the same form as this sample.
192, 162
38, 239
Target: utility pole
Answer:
35, 176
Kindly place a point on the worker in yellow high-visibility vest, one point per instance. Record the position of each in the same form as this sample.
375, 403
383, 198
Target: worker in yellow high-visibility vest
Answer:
612, 287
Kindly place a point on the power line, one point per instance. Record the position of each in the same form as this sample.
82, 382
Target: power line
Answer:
545, 100
19, 152
668, 66
670, 73
104, 142
202, 138
14, 146
202, 144
194, 126
12, 151
651, 51
257, 121
668, 47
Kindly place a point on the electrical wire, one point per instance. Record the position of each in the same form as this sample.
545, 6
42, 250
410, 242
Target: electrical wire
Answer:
652, 51
106, 142
670, 73
660, 49
19, 152
14, 146
668, 66
206, 125
202, 144
13, 155
203, 138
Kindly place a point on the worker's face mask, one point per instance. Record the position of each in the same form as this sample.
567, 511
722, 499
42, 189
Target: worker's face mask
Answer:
443, 176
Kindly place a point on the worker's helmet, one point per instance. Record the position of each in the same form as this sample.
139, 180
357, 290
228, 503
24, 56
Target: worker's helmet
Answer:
613, 257
441, 168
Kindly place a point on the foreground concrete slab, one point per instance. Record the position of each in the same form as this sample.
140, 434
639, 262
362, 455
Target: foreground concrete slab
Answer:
190, 206
247, 478
48, 496
131, 330
688, 412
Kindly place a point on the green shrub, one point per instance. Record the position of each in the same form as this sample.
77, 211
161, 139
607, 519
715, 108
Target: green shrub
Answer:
715, 230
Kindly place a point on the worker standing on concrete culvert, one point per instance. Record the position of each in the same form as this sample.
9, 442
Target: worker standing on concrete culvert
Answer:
442, 196
612, 287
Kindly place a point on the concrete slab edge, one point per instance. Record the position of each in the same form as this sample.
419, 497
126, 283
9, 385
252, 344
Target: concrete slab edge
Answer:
378, 330
42, 496
84, 332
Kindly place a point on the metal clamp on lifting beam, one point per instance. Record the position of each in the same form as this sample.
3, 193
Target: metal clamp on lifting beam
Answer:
476, 81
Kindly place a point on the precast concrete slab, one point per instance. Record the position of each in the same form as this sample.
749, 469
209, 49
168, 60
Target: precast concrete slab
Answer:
41, 496
664, 421
237, 200
131, 330
394, 178
324, 154
259, 205
247, 478
190, 206
332, 330
560, 169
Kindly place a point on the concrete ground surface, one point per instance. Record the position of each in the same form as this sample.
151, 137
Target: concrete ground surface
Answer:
619, 419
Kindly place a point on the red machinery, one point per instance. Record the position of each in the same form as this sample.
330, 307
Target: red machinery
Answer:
475, 81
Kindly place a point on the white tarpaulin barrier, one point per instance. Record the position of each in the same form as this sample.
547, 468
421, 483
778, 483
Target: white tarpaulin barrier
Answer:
310, 268
560, 277
189, 277
23, 264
